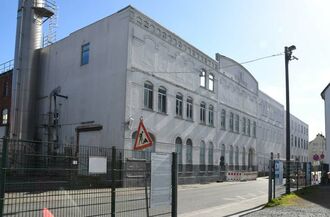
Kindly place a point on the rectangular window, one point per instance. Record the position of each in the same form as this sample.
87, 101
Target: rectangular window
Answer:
248, 127
244, 126
148, 95
202, 113
223, 119
189, 108
85, 54
236, 123
178, 107
162, 100
254, 130
231, 122
5, 88
211, 116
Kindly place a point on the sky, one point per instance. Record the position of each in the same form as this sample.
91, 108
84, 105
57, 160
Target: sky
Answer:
240, 29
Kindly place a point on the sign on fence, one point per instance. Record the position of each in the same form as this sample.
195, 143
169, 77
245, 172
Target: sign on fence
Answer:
97, 165
278, 172
161, 165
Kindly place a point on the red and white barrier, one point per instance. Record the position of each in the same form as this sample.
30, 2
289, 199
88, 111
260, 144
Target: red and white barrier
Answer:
233, 176
241, 176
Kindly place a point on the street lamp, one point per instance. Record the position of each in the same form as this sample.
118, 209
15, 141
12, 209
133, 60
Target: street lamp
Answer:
288, 56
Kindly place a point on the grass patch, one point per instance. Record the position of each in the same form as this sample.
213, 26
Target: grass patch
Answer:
285, 200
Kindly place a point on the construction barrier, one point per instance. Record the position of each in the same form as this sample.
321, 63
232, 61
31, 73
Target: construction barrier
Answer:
233, 176
248, 176
241, 176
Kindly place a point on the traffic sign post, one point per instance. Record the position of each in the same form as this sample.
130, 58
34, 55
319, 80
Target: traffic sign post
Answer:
142, 139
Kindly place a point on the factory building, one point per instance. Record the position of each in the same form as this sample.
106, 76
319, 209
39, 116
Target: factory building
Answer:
93, 87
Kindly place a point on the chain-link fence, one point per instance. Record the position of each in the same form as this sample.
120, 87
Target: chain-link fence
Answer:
91, 181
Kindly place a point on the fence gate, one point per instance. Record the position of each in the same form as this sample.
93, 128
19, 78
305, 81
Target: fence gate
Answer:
300, 177
94, 181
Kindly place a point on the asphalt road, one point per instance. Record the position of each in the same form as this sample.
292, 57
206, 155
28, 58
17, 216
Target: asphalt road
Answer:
221, 199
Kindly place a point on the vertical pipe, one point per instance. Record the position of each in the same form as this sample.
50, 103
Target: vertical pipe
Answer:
286, 54
174, 185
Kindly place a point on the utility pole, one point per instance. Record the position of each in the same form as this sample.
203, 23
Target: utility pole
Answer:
288, 56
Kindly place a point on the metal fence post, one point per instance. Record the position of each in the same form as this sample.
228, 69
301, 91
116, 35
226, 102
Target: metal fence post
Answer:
174, 185
270, 180
113, 182
3, 174
297, 171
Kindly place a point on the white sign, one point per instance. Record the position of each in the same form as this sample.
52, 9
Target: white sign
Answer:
161, 177
97, 165
278, 172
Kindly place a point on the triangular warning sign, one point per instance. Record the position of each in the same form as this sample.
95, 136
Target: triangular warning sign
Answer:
142, 139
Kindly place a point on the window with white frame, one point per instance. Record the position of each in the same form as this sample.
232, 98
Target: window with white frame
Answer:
162, 100
231, 121
189, 151
178, 104
223, 119
148, 95
5, 116
211, 115
237, 123
202, 153
244, 126
211, 82
202, 78
202, 112
189, 108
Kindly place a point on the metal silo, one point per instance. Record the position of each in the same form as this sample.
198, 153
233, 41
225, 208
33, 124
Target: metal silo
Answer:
30, 16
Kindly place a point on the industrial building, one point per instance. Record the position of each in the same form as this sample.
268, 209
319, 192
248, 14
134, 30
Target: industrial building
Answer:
92, 87
326, 97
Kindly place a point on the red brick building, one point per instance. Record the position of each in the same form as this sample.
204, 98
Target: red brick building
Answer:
5, 96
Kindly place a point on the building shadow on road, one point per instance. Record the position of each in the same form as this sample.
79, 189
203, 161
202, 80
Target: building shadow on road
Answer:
318, 194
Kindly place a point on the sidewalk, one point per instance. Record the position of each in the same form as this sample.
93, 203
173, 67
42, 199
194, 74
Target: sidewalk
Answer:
314, 201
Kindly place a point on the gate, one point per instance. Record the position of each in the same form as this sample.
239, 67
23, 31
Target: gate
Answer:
96, 181
300, 177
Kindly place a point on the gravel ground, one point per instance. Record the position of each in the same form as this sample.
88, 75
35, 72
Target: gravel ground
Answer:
316, 202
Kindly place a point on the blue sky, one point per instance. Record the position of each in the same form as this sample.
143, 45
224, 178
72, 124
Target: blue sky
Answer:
240, 29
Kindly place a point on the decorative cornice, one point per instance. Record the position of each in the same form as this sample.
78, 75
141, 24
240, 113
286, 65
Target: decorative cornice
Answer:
162, 33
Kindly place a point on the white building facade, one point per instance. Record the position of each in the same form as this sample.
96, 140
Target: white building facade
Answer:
326, 97
98, 82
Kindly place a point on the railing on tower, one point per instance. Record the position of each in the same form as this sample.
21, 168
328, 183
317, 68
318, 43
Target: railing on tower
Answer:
6, 66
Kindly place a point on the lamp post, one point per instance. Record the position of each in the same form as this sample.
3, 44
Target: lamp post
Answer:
288, 57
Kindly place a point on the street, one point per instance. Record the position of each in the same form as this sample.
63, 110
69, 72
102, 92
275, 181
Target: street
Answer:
221, 199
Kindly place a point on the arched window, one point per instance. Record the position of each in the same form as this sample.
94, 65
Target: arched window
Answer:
210, 156
178, 149
231, 121
5, 116
236, 158
244, 126
250, 159
189, 108
237, 123
178, 103
202, 156
211, 115
202, 80
189, 149
202, 112
243, 158
231, 156
211, 82
223, 119
248, 128
162, 99
148, 95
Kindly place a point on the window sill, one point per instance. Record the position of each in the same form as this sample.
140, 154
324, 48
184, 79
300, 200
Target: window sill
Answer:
148, 109
178, 117
162, 113
190, 120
